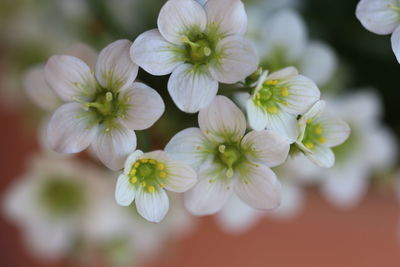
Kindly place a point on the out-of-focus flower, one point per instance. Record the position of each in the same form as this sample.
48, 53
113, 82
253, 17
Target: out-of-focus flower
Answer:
318, 132
381, 17
144, 179
226, 159
371, 148
277, 100
282, 41
103, 109
200, 46
48, 203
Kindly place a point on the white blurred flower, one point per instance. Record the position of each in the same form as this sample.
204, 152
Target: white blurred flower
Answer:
102, 108
282, 41
228, 160
200, 46
371, 148
277, 100
318, 132
48, 203
144, 179
381, 17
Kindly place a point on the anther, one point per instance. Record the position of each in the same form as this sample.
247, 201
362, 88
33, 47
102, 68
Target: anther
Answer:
221, 149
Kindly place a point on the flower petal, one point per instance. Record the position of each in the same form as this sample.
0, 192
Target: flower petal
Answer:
318, 62
256, 116
258, 186
222, 120
335, 130
84, 52
283, 123
189, 146
377, 16
228, 16
113, 146
145, 106
69, 131
38, 90
69, 77
180, 177
179, 16
395, 40
153, 53
132, 158
322, 156
211, 193
265, 147
124, 191
238, 60
191, 88
292, 202
302, 94
152, 206
114, 68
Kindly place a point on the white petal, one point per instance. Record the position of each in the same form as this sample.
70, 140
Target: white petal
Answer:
38, 90
395, 39
69, 77
239, 59
153, 53
376, 15
69, 131
322, 156
191, 88
124, 191
189, 146
132, 158
84, 52
145, 106
302, 94
256, 116
222, 120
258, 186
211, 193
114, 68
265, 147
286, 32
113, 146
229, 16
335, 131
291, 204
283, 123
179, 16
241, 99
313, 112
158, 155
180, 178
318, 62
152, 206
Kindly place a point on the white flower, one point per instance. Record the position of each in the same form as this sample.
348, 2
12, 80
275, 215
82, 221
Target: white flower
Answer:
200, 46
381, 17
282, 41
48, 204
370, 149
228, 160
144, 178
278, 99
102, 108
318, 133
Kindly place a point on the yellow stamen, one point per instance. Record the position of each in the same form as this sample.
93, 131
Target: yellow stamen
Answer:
268, 82
161, 185
144, 160
163, 174
150, 189
133, 180
309, 145
132, 172
322, 140
318, 129
152, 161
160, 166
285, 91
137, 164
272, 109
143, 184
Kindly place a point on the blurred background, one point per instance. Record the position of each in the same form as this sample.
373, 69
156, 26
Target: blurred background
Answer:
345, 216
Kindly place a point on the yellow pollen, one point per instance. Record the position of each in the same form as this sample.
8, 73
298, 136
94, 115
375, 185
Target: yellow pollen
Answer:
144, 160
150, 189
161, 185
309, 145
137, 164
160, 166
163, 174
272, 109
285, 91
133, 180
274, 82
152, 161
132, 172
268, 82
322, 140
318, 129
143, 184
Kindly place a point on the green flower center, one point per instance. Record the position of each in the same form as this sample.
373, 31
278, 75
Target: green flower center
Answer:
229, 155
271, 95
62, 196
149, 174
313, 135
